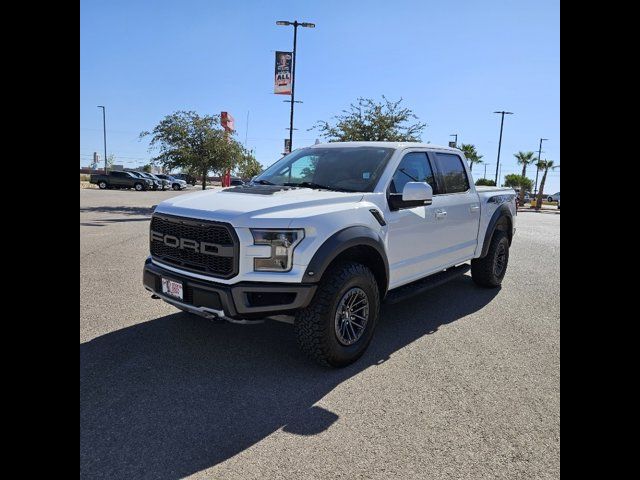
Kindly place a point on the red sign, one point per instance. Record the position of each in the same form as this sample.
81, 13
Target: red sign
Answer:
227, 121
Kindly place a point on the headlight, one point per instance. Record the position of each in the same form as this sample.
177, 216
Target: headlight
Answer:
282, 242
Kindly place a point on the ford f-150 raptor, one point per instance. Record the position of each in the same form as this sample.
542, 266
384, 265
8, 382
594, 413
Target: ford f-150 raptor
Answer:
326, 234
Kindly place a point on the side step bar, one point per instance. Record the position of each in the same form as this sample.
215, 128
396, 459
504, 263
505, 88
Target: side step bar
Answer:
406, 291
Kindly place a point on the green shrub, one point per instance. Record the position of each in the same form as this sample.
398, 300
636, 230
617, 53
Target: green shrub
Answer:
485, 182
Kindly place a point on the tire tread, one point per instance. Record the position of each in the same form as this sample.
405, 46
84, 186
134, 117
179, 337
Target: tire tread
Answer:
310, 325
482, 268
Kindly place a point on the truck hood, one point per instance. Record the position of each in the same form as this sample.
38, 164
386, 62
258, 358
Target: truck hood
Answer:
270, 208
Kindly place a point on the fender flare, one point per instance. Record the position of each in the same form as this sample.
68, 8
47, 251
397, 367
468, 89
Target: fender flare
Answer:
501, 212
340, 242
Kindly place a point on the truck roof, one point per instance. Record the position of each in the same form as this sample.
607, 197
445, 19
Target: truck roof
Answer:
394, 145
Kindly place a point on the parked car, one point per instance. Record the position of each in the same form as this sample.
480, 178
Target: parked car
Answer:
159, 184
120, 179
235, 182
190, 179
156, 184
527, 198
553, 198
164, 184
175, 183
359, 224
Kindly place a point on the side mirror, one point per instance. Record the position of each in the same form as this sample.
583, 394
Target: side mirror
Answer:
414, 194
417, 192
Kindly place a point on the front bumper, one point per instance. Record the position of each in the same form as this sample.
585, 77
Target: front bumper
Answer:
243, 300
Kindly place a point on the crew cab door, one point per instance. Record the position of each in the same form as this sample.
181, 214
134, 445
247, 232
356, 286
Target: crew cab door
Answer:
415, 237
119, 179
429, 238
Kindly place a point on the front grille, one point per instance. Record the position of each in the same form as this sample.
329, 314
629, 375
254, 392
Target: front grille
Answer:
219, 236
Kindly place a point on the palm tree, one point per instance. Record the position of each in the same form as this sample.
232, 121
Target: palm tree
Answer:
471, 153
545, 166
524, 159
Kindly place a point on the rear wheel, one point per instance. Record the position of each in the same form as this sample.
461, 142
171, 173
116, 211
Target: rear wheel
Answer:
337, 326
490, 270
102, 185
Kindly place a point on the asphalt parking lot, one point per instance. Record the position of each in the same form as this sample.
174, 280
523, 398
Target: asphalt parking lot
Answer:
460, 382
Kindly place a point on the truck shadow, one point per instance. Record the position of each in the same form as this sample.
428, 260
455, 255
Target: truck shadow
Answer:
179, 394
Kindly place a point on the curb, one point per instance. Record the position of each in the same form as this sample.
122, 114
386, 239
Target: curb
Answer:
533, 210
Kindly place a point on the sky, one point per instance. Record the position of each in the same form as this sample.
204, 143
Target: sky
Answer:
452, 62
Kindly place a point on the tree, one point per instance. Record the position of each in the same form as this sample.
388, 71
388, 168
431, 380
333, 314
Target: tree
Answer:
147, 168
518, 181
524, 159
248, 166
369, 120
545, 166
194, 143
471, 153
485, 182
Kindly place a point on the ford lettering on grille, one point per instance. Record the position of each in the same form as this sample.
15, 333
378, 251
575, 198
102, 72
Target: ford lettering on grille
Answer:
197, 245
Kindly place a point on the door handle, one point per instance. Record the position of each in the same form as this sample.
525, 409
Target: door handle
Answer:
441, 214
474, 208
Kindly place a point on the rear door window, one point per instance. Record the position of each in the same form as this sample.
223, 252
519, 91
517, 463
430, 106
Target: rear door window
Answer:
452, 171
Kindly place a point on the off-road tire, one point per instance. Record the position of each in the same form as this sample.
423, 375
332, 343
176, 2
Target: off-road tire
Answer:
484, 270
314, 325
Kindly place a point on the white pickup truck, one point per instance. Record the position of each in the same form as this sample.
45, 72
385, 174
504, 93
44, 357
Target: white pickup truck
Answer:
326, 234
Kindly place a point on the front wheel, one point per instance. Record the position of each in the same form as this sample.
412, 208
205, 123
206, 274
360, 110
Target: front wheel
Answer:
489, 271
337, 326
138, 187
176, 186
102, 185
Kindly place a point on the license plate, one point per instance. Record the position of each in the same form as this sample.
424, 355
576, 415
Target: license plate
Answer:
171, 288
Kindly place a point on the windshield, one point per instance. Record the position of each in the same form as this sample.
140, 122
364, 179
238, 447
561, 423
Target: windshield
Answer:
347, 169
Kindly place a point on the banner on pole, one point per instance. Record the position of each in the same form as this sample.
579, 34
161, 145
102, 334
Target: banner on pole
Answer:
287, 145
283, 77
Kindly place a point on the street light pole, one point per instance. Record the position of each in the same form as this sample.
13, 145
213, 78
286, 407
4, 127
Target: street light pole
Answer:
535, 190
293, 83
500, 141
295, 25
104, 134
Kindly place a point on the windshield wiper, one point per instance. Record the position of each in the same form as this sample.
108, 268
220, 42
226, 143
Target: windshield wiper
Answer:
263, 182
317, 186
